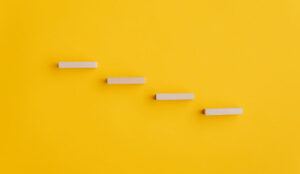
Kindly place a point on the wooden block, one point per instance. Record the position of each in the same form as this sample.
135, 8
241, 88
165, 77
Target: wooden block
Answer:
223, 111
175, 96
126, 80
77, 64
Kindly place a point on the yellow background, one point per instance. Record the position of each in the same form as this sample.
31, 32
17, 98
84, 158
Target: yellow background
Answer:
230, 53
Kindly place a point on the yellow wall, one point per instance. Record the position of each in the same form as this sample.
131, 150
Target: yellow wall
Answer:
229, 53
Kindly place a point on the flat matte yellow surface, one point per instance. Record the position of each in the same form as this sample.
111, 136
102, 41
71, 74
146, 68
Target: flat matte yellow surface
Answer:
230, 53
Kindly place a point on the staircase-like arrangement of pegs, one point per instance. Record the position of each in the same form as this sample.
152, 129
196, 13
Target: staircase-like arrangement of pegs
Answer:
160, 96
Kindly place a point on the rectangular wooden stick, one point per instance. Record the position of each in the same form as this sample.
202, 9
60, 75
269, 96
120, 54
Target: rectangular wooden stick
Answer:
175, 96
126, 80
223, 111
77, 64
